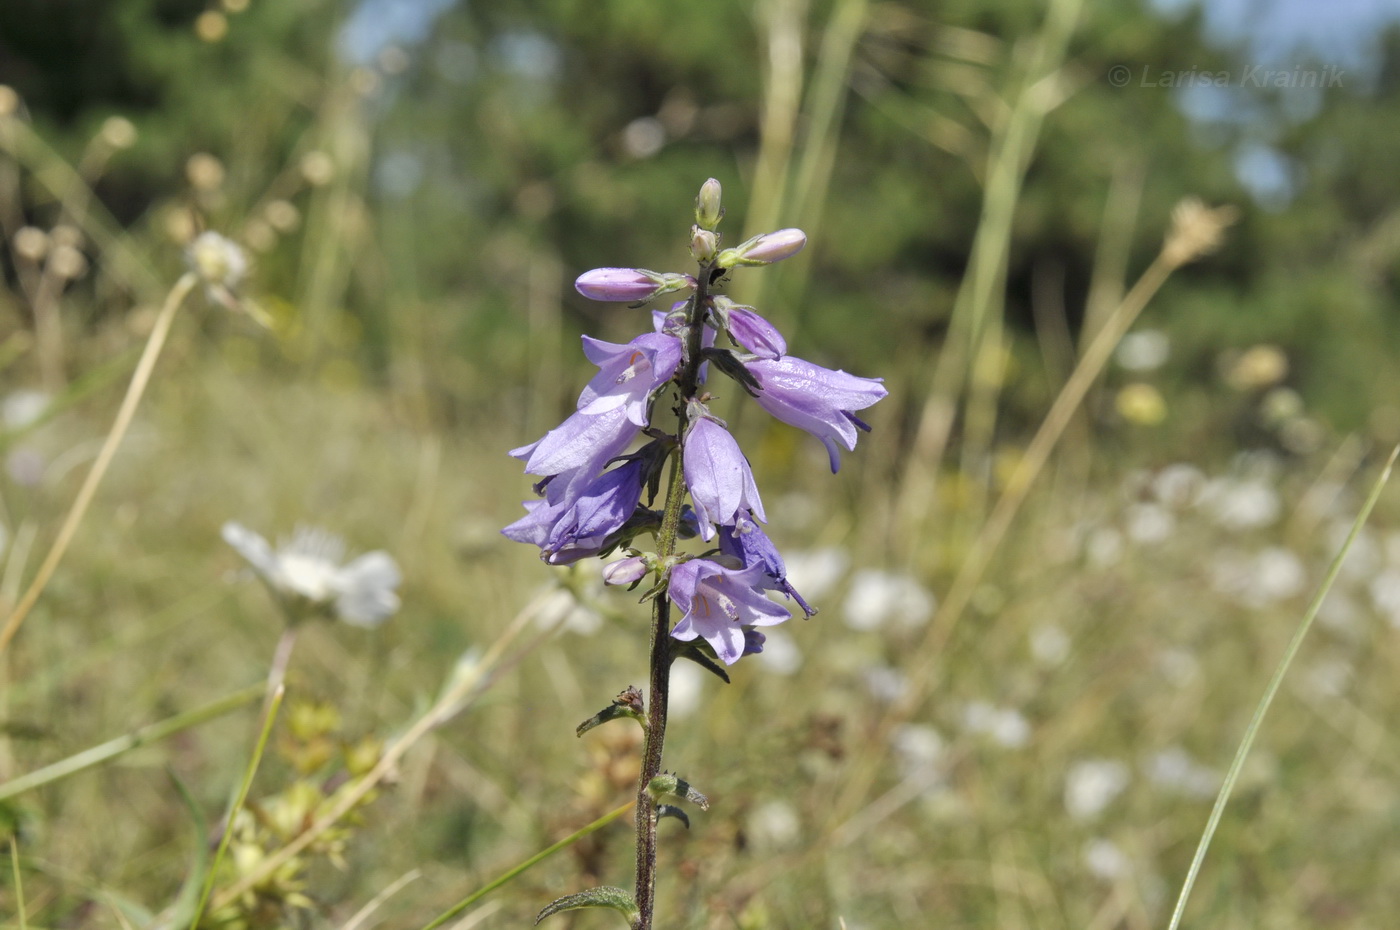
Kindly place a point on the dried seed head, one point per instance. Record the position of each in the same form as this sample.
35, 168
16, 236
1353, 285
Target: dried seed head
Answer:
1196, 230
205, 172
30, 243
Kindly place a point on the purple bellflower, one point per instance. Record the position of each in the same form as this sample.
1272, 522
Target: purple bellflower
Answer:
612, 410
720, 481
746, 542
717, 603
628, 373
821, 401
576, 527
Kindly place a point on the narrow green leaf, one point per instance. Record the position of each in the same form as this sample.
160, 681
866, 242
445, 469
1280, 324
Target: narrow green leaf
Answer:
606, 896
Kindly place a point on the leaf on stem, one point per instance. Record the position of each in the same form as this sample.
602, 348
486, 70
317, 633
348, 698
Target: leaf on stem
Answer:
628, 704
606, 896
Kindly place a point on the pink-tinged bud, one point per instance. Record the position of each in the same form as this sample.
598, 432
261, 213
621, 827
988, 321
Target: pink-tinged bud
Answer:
703, 244
629, 285
765, 249
708, 211
755, 333
625, 571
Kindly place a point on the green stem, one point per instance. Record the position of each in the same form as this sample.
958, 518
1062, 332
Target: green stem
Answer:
1257, 720
538, 857
274, 704
688, 382
109, 750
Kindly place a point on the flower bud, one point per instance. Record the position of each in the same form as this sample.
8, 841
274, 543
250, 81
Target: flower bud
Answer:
625, 571
703, 244
765, 249
630, 285
708, 211
749, 329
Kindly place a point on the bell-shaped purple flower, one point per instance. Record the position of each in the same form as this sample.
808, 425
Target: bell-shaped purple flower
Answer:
746, 542
612, 409
629, 285
627, 374
819, 400
718, 476
568, 527
576, 450
717, 603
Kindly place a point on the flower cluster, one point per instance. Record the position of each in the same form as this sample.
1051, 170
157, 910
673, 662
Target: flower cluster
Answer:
592, 487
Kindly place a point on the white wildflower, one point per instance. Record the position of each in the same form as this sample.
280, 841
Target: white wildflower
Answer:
1241, 503
1050, 645
1092, 785
780, 654
1105, 860
1004, 725
218, 261
307, 577
1178, 485
877, 597
1143, 350
1175, 770
815, 572
1149, 523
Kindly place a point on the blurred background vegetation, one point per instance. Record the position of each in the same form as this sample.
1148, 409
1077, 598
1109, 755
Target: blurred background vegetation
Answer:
418, 182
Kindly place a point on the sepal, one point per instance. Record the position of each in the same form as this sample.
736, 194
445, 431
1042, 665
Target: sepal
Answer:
668, 785
628, 703
606, 896
693, 651
670, 810
727, 362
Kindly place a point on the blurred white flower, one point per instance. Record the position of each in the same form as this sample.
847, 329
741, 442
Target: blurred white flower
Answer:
1271, 575
22, 408
1179, 666
1049, 644
1143, 350
1004, 725
775, 825
1385, 595
1103, 547
815, 572
1178, 485
1091, 785
561, 608
1241, 503
885, 683
687, 689
1175, 770
919, 750
780, 654
1105, 860
1149, 523
218, 261
877, 597
306, 577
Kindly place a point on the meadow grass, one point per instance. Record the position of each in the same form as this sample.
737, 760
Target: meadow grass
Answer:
1119, 633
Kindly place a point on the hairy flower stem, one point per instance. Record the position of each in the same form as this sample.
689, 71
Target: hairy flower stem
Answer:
687, 380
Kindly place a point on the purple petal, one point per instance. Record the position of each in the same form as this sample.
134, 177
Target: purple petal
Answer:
816, 399
718, 476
